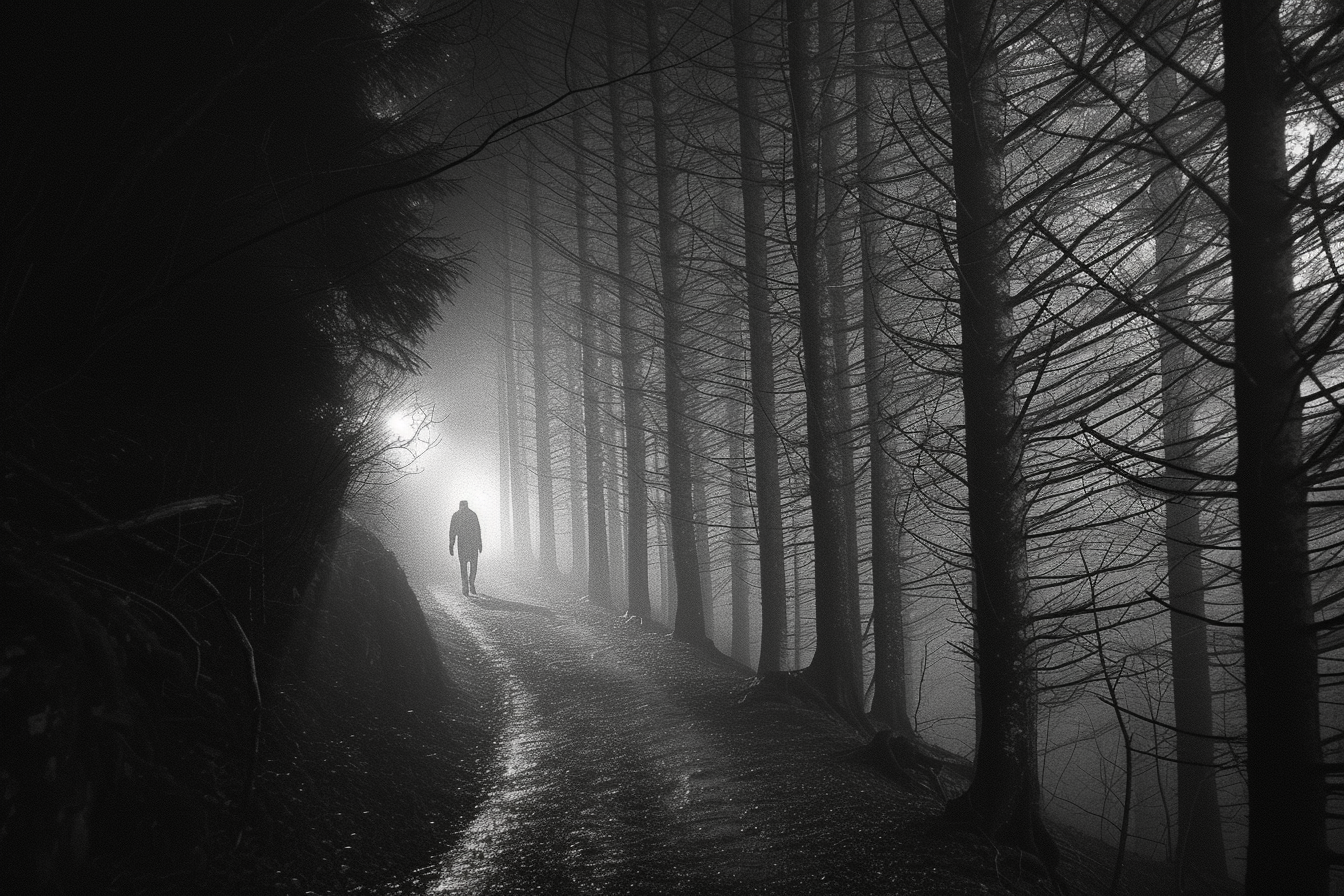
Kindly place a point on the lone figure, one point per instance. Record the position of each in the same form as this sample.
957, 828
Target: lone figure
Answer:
465, 531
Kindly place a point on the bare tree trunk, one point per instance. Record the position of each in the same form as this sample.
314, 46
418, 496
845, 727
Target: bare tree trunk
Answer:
666, 567
834, 193
690, 617
702, 549
797, 606
836, 669
1286, 852
1004, 796
632, 347
765, 443
578, 497
548, 564
1200, 847
502, 413
663, 533
738, 559
516, 483
889, 685
595, 510
611, 462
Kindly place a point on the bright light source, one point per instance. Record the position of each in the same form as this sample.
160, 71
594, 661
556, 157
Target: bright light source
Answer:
402, 425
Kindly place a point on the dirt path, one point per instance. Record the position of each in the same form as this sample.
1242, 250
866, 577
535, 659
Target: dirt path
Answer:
628, 765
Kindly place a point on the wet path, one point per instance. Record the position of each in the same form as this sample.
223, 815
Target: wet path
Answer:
627, 765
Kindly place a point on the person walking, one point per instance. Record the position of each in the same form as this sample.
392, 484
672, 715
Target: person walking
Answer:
465, 530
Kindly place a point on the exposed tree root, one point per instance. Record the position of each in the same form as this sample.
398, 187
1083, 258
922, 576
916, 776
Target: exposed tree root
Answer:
793, 688
905, 761
1021, 827
849, 706
910, 762
719, 658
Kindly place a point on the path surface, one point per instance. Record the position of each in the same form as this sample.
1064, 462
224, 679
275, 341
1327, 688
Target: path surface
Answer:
627, 764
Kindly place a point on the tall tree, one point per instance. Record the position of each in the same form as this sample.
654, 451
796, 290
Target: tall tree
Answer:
1286, 852
690, 618
598, 562
831, 124
889, 686
1003, 799
1200, 846
700, 503
740, 574
765, 441
515, 521
631, 344
548, 563
577, 462
502, 415
836, 669
516, 484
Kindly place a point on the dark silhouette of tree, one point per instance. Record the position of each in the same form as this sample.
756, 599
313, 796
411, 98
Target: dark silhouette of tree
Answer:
690, 620
835, 669
1200, 828
514, 505
1004, 796
1286, 851
832, 135
631, 345
739, 568
598, 563
765, 442
576, 459
547, 558
889, 688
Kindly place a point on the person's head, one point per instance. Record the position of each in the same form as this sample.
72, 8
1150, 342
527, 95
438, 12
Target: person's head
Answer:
461, 505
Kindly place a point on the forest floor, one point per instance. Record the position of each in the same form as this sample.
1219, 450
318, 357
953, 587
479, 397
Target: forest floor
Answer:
626, 762
525, 741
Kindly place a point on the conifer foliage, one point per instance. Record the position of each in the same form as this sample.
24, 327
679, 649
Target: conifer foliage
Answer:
211, 282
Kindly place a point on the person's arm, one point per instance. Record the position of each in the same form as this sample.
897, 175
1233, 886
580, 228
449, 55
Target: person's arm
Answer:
452, 534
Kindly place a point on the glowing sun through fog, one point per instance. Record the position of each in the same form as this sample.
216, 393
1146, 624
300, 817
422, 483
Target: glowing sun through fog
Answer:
402, 425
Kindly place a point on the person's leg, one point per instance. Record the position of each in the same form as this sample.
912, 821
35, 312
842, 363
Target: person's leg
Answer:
462, 562
472, 581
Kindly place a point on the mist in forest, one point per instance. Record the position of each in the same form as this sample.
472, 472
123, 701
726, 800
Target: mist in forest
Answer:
974, 369
929, 372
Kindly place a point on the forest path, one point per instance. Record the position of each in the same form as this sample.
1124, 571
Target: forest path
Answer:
627, 764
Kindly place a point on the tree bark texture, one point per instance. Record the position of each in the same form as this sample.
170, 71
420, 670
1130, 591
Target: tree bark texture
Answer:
1004, 796
578, 474
700, 501
521, 527
631, 349
889, 684
1200, 848
505, 444
765, 442
548, 562
690, 619
1286, 852
611, 430
595, 510
738, 563
836, 669
834, 193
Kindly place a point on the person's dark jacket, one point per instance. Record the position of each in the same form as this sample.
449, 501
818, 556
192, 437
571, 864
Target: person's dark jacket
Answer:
465, 530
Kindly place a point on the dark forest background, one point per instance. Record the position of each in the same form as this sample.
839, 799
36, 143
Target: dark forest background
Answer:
973, 367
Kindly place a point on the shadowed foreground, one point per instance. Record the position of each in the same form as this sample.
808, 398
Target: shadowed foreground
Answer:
628, 764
